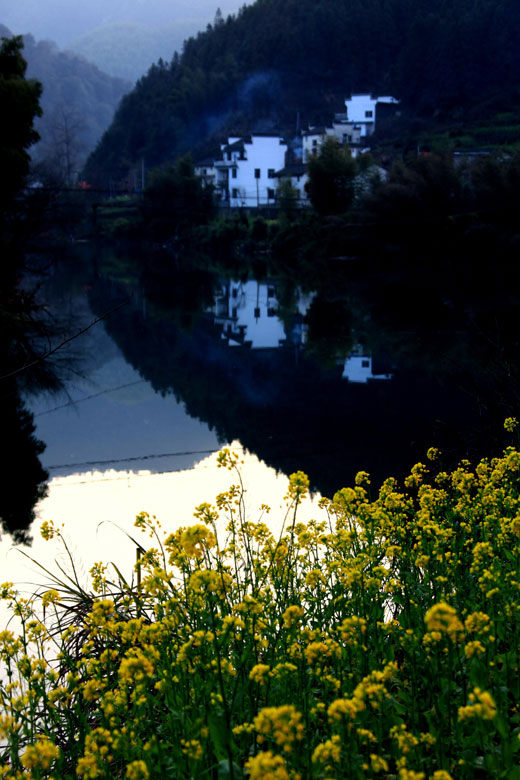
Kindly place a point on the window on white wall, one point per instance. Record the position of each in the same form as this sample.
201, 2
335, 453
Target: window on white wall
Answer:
257, 173
369, 114
234, 173
270, 173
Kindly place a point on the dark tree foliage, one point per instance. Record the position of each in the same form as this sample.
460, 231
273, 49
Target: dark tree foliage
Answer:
175, 199
332, 172
22, 474
19, 101
280, 57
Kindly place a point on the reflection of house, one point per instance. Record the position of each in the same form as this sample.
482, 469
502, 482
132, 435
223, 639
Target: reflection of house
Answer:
248, 315
358, 368
245, 174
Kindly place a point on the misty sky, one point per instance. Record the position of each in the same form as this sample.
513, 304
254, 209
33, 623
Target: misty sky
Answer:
65, 20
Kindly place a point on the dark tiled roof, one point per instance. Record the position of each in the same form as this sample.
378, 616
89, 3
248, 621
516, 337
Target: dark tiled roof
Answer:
293, 169
207, 162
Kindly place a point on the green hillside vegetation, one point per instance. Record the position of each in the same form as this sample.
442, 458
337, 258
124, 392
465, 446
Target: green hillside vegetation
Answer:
446, 61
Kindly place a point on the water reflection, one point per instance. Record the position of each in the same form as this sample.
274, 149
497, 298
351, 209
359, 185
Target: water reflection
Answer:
358, 367
306, 377
23, 478
249, 314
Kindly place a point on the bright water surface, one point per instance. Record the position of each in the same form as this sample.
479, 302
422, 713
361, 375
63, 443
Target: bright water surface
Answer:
184, 362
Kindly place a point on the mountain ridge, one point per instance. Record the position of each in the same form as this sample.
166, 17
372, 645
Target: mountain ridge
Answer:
276, 60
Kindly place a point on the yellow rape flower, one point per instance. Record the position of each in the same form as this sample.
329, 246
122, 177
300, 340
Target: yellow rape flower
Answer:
259, 672
266, 766
192, 749
50, 597
327, 751
348, 707
474, 648
196, 538
283, 724
482, 706
351, 627
378, 763
40, 755
510, 424
135, 668
137, 770
477, 623
292, 616
441, 619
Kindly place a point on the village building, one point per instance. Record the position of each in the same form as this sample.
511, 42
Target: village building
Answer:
250, 168
245, 174
206, 171
361, 112
296, 174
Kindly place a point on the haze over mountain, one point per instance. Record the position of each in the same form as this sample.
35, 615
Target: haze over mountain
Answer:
78, 102
122, 37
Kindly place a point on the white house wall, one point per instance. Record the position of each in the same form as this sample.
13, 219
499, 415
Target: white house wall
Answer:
361, 109
266, 155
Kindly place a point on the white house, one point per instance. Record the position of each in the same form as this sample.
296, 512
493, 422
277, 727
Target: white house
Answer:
245, 176
312, 139
296, 174
206, 171
346, 133
361, 112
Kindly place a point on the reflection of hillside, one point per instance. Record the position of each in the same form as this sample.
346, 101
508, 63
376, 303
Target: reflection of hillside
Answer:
22, 476
285, 408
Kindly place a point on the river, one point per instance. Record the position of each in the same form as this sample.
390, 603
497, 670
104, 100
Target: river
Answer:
172, 363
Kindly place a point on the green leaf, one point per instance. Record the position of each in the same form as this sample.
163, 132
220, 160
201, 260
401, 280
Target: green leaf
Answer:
501, 727
219, 734
514, 773
224, 771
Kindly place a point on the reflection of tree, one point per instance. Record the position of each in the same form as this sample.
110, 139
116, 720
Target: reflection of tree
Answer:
21, 473
289, 411
22, 476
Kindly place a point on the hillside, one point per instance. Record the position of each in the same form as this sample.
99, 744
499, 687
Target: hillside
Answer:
78, 103
445, 60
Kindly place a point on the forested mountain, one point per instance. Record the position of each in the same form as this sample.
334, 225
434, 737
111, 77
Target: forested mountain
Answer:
78, 103
452, 58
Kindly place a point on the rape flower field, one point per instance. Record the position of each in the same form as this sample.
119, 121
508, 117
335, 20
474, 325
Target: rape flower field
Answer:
380, 640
